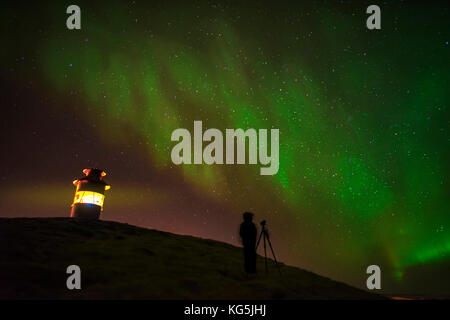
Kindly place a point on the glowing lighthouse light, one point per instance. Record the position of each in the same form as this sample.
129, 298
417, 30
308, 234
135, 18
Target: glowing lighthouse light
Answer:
89, 195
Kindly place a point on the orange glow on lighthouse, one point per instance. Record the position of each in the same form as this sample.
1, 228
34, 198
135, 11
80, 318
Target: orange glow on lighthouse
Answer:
89, 195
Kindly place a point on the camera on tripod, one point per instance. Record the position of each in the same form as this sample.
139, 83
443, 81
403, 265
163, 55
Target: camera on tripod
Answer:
265, 236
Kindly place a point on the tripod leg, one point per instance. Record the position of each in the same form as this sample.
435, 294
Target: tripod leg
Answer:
259, 239
265, 252
273, 253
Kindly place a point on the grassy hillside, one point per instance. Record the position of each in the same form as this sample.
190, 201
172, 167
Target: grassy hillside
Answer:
119, 261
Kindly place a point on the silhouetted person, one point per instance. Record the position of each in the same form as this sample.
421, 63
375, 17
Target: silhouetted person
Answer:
248, 235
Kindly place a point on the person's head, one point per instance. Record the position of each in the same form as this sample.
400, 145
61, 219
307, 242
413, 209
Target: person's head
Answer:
248, 216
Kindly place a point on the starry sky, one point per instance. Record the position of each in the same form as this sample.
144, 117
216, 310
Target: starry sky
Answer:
363, 118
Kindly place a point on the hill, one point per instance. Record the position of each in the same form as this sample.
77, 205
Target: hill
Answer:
120, 261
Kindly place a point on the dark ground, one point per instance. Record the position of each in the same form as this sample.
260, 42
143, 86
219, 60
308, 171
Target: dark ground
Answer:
120, 261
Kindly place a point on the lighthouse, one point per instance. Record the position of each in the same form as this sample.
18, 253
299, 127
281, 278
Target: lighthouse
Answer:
89, 195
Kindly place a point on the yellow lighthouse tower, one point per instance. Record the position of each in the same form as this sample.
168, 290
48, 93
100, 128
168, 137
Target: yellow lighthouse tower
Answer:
89, 195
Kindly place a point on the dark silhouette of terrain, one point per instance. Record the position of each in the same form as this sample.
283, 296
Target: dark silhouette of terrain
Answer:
119, 261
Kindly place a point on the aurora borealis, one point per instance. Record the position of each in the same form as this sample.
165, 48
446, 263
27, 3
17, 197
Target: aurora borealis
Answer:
363, 118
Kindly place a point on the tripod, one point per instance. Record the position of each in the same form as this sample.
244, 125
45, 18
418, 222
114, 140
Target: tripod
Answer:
265, 235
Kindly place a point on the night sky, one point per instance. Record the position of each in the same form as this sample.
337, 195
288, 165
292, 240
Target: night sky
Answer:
363, 118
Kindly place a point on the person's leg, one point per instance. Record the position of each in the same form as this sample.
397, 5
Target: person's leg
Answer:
253, 261
248, 259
